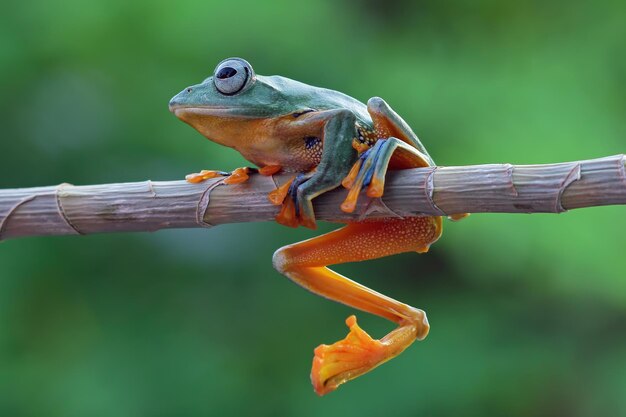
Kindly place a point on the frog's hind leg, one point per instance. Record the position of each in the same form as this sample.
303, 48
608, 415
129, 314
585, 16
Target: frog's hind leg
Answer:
305, 263
369, 171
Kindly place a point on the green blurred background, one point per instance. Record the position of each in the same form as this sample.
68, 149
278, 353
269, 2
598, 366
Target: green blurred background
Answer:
528, 312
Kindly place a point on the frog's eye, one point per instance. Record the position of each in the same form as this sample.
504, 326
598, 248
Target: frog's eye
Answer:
232, 75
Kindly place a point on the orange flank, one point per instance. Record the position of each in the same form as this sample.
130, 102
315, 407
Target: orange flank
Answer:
278, 195
202, 176
237, 176
269, 170
305, 263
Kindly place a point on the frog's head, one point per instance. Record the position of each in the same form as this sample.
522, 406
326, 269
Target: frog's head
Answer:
220, 105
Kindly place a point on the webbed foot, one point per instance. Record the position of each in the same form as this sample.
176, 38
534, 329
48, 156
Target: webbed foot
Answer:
294, 211
358, 354
237, 176
204, 175
346, 359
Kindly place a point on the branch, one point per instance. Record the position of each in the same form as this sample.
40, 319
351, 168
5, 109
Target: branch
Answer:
148, 206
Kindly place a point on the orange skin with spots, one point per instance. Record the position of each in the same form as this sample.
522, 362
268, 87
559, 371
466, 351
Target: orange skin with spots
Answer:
282, 125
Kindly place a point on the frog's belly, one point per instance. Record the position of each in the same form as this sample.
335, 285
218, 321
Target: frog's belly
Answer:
297, 157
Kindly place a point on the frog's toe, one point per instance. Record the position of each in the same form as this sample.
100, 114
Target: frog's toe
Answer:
306, 214
287, 215
204, 175
278, 195
238, 176
365, 174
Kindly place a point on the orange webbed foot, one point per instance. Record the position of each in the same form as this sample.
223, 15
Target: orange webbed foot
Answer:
278, 195
204, 175
238, 176
287, 215
286, 195
346, 359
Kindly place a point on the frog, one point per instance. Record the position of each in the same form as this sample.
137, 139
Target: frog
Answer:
325, 140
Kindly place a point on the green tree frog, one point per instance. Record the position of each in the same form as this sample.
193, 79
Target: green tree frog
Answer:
327, 140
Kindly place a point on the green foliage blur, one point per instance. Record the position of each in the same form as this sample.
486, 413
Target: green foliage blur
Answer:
528, 312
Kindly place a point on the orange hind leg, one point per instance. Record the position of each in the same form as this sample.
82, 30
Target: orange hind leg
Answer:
305, 263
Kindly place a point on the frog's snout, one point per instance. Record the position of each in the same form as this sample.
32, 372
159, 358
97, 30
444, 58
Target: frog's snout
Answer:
180, 99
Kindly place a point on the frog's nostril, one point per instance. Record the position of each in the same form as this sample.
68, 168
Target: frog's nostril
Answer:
189, 89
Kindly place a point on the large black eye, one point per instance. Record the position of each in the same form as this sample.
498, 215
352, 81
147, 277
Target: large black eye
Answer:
231, 75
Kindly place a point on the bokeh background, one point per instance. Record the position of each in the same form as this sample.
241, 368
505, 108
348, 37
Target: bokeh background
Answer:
528, 312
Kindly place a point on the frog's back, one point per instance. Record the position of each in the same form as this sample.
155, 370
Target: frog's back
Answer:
317, 98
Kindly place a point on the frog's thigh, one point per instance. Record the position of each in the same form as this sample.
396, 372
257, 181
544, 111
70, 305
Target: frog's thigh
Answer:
305, 262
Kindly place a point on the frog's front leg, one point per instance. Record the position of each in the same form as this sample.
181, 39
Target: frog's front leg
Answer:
337, 158
305, 263
369, 171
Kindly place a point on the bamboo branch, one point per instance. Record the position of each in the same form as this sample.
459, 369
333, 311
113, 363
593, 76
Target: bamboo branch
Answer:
149, 206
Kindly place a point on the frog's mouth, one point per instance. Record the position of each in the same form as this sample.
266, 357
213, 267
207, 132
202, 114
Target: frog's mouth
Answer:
183, 112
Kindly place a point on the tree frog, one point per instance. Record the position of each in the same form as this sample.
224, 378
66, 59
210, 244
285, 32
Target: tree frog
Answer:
327, 140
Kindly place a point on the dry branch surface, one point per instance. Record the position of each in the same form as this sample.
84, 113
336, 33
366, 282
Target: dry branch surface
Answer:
152, 205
